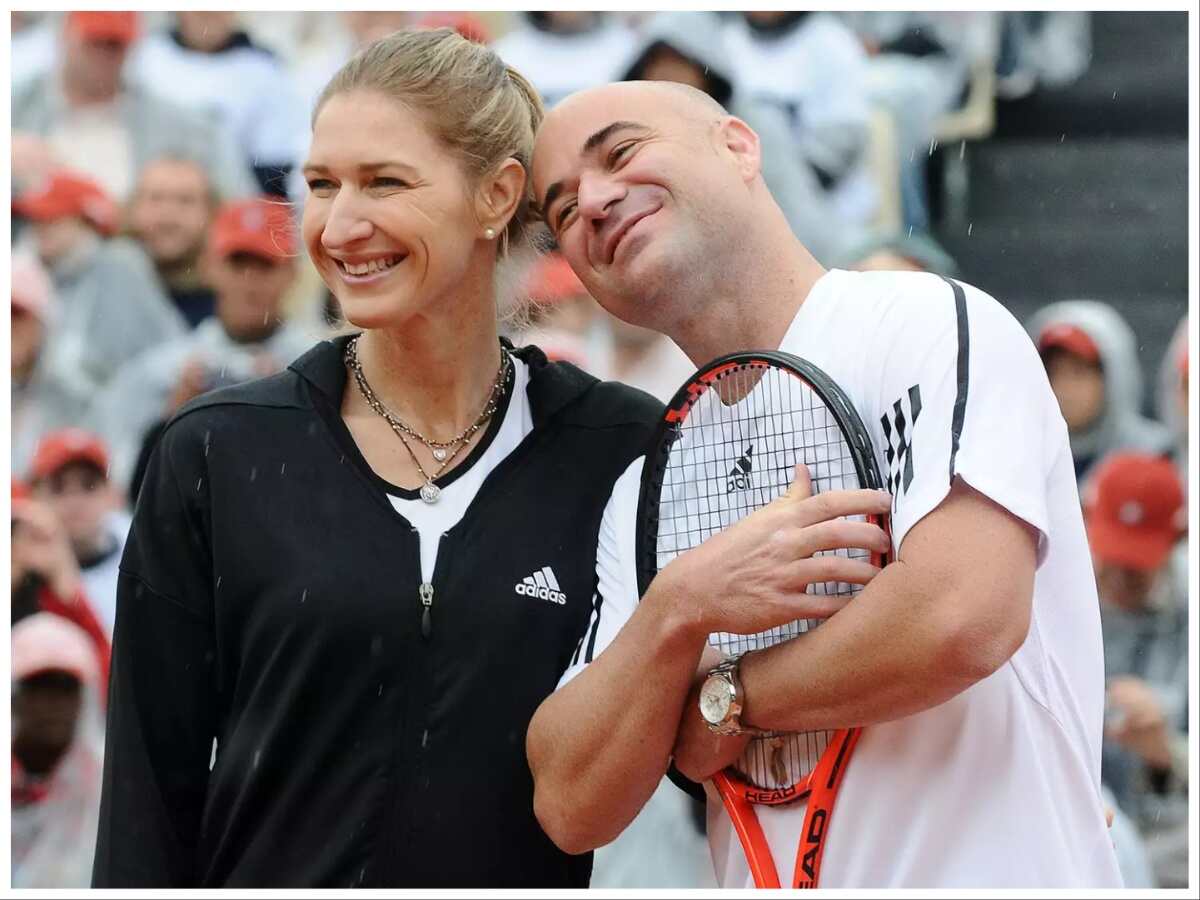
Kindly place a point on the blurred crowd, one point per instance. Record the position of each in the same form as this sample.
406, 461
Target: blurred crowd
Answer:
154, 257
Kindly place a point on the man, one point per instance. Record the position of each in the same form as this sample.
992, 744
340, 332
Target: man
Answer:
812, 68
1134, 509
973, 662
1091, 359
45, 576
95, 121
110, 304
207, 62
170, 213
250, 263
70, 475
41, 400
57, 747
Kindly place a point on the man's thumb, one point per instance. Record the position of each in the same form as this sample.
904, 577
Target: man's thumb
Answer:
801, 488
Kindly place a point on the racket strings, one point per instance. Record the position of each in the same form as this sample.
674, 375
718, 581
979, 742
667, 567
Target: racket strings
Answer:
735, 452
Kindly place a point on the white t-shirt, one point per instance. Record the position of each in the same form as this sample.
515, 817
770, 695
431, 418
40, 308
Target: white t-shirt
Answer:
999, 786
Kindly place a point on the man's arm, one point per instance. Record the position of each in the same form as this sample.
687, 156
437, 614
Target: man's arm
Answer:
950, 611
599, 745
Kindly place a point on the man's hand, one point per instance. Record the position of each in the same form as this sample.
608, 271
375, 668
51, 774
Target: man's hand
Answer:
1137, 722
753, 576
40, 544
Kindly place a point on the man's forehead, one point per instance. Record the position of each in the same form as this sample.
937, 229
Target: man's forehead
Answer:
567, 128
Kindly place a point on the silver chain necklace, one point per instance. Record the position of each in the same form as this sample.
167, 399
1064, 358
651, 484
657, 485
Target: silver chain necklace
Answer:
443, 451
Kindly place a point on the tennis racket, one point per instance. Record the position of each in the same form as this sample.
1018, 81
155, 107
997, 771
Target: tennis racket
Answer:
728, 445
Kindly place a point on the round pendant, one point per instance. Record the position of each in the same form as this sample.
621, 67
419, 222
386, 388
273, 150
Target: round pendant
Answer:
439, 453
430, 492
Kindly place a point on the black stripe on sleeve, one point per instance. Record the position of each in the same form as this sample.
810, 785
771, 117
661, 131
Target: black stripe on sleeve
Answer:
964, 359
591, 647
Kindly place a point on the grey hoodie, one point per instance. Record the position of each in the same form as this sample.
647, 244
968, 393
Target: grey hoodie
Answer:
1166, 398
1120, 426
698, 36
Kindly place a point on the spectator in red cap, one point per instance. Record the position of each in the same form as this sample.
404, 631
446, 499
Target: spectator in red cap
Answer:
1090, 354
99, 122
171, 211
250, 262
69, 474
57, 753
1134, 510
110, 302
40, 399
45, 576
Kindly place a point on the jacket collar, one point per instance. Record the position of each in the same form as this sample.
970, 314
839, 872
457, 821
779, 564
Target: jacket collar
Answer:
551, 386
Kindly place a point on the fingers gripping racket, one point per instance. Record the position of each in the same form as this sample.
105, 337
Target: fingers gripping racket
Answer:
727, 446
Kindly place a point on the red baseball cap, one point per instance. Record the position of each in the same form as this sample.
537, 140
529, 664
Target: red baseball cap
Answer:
1134, 510
262, 226
67, 193
66, 446
97, 25
466, 24
1071, 338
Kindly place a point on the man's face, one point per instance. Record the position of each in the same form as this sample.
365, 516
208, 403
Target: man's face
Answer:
1078, 384
82, 497
250, 291
56, 238
666, 64
636, 193
1123, 586
27, 331
45, 711
206, 30
170, 211
94, 64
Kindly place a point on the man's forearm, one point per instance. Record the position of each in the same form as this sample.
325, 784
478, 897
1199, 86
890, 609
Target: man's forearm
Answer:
599, 746
949, 612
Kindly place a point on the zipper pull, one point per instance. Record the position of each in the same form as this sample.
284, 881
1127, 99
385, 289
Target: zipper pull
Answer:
426, 592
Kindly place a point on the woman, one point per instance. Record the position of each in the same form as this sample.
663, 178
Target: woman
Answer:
360, 577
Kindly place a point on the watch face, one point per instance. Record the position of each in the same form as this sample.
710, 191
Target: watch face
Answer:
716, 695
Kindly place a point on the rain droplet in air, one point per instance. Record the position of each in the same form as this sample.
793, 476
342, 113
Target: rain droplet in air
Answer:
282, 467
304, 596
970, 227
253, 472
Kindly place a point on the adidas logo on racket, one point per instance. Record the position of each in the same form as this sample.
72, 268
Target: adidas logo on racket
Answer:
543, 585
739, 475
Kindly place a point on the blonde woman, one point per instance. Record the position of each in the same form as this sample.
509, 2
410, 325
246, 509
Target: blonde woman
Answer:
348, 586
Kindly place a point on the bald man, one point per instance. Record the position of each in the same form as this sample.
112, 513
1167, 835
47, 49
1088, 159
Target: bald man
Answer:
974, 662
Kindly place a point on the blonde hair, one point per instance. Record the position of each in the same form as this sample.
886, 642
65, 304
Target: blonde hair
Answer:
481, 109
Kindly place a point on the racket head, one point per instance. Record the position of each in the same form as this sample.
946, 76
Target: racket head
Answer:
728, 444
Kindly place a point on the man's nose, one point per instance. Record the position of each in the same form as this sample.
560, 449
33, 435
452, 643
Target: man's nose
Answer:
597, 195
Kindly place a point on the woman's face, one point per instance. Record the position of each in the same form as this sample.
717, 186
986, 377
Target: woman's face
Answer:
389, 220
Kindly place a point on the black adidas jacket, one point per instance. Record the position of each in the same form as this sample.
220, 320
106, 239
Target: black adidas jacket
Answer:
269, 598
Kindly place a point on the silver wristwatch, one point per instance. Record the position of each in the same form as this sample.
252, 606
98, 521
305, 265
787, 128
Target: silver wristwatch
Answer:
721, 700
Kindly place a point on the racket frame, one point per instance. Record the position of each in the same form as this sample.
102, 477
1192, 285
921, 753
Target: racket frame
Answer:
820, 786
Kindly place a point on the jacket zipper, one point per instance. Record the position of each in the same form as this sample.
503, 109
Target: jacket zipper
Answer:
426, 593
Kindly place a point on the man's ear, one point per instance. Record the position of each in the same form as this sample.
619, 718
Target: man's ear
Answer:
742, 141
499, 195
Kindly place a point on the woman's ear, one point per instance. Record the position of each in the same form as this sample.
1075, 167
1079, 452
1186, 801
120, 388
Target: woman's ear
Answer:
499, 195
742, 141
